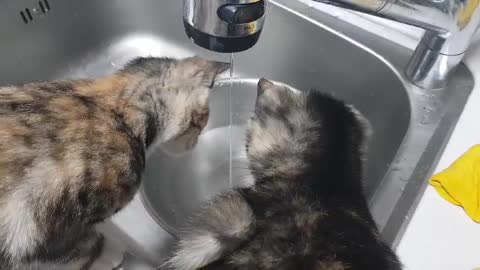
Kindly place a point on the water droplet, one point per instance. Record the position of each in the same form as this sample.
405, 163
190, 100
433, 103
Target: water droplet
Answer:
427, 116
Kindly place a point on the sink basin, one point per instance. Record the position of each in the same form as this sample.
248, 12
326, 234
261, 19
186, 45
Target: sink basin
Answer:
299, 46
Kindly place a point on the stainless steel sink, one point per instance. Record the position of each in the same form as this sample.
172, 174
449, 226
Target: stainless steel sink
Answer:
301, 47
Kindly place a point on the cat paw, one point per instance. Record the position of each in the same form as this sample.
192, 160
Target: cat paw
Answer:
111, 257
108, 263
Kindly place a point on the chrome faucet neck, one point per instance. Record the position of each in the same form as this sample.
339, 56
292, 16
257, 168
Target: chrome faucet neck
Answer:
449, 25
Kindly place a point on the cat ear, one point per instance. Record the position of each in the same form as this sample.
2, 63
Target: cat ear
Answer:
264, 85
212, 70
218, 67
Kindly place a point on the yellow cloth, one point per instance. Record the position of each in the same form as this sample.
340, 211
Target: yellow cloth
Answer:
466, 13
460, 183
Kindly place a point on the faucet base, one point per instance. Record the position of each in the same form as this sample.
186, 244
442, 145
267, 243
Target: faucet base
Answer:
429, 69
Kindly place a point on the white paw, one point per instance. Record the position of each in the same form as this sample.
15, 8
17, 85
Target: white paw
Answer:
111, 257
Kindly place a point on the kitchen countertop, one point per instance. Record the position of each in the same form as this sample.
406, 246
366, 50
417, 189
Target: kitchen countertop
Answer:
440, 235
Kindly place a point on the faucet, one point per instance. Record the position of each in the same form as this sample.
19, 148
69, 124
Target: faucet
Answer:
449, 26
224, 26
235, 25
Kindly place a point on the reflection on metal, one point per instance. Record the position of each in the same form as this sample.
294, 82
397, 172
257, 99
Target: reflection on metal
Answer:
449, 25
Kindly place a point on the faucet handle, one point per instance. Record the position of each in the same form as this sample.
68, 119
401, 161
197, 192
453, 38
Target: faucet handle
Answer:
241, 13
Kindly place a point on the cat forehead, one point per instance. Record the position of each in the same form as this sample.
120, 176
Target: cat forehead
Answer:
282, 96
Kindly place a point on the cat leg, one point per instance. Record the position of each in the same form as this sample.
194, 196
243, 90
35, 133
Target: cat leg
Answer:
110, 257
90, 252
75, 253
98, 253
218, 229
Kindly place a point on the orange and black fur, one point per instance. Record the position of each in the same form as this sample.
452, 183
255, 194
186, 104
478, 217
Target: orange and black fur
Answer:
306, 209
72, 153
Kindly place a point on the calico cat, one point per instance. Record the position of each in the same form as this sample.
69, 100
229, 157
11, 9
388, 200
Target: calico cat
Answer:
72, 153
306, 209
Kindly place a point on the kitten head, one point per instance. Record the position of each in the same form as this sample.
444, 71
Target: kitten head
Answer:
190, 81
292, 131
180, 90
279, 131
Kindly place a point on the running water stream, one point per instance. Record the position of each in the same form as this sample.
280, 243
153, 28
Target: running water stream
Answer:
231, 121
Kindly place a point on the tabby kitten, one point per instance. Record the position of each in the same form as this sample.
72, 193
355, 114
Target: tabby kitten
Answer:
306, 209
72, 153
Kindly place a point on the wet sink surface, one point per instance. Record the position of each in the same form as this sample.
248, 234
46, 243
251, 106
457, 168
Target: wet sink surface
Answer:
300, 47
